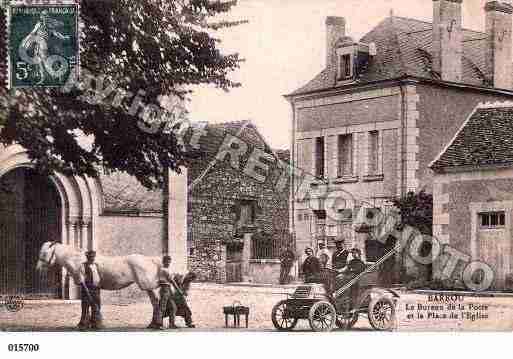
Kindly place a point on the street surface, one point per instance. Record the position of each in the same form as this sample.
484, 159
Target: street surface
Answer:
207, 301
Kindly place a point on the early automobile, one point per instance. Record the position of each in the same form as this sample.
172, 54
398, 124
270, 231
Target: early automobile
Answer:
324, 308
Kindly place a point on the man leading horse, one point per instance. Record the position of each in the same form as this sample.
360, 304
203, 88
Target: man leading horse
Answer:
115, 273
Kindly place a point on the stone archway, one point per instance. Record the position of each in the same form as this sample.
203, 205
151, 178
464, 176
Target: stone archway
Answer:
76, 203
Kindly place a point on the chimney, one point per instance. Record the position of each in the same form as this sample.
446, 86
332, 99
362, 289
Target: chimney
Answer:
335, 29
447, 38
498, 44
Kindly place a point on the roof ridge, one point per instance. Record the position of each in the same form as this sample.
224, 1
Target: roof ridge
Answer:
431, 23
229, 122
497, 104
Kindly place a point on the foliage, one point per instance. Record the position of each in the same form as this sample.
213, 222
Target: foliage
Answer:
416, 210
158, 46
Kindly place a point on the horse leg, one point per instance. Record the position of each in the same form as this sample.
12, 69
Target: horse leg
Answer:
154, 300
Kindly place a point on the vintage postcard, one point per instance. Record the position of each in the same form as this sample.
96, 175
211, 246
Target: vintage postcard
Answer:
256, 165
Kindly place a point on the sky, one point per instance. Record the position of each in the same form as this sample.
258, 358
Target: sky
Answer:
284, 47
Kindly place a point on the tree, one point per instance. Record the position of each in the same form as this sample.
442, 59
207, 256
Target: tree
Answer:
158, 46
416, 210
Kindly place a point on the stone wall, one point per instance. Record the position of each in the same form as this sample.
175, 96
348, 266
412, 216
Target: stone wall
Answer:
215, 201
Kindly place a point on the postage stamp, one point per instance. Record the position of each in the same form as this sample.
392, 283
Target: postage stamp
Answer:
43, 43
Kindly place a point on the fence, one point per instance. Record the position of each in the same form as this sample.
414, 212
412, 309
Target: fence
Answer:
270, 247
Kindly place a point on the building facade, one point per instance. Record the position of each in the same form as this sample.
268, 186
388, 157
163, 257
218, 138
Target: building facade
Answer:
473, 198
237, 206
371, 122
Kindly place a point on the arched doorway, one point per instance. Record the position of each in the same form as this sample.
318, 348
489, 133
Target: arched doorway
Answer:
30, 214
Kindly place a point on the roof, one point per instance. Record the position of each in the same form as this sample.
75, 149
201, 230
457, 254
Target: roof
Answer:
404, 48
211, 143
124, 194
485, 139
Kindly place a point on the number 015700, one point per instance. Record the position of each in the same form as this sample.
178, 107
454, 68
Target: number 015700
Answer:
23, 347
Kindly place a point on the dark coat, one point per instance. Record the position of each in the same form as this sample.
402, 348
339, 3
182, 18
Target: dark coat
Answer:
339, 259
311, 268
356, 266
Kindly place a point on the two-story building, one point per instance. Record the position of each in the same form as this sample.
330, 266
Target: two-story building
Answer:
384, 107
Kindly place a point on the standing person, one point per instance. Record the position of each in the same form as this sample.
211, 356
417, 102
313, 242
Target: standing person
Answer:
339, 257
287, 258
311, 267
166, 282
324, 255
180, 299
90, 293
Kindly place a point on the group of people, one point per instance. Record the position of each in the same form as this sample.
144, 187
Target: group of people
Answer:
313, 265
172, 295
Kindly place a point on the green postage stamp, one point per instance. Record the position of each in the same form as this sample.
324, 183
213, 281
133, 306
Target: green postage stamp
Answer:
43, 42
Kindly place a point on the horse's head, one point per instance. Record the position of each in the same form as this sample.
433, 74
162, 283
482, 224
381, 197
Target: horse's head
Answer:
46, 256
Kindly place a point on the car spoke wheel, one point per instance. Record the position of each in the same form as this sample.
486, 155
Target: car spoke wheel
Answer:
382, 313
281, 317
322, 316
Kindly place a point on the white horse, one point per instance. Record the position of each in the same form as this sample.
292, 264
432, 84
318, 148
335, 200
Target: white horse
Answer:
115, 272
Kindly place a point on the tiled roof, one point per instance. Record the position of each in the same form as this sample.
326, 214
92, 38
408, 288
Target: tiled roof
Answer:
122, 193
211, 143
486, 138
404, 47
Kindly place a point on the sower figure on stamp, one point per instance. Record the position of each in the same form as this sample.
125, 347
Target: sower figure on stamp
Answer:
39, 38
179, 306
287, 258
90, 294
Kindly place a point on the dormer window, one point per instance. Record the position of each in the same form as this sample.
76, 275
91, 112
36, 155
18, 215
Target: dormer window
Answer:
353, 58
345, 67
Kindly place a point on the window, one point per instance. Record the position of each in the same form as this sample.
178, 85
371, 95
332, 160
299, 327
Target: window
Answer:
331, 231
246, 213
345, 70
319, 157
299, 217
373, 152
492, 219
345, 155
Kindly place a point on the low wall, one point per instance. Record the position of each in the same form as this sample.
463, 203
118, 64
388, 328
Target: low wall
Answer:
265, 271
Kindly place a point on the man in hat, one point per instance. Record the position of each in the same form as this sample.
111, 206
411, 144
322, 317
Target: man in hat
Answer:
339, 257
168, 287
90, 293
311, 267
324, 255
